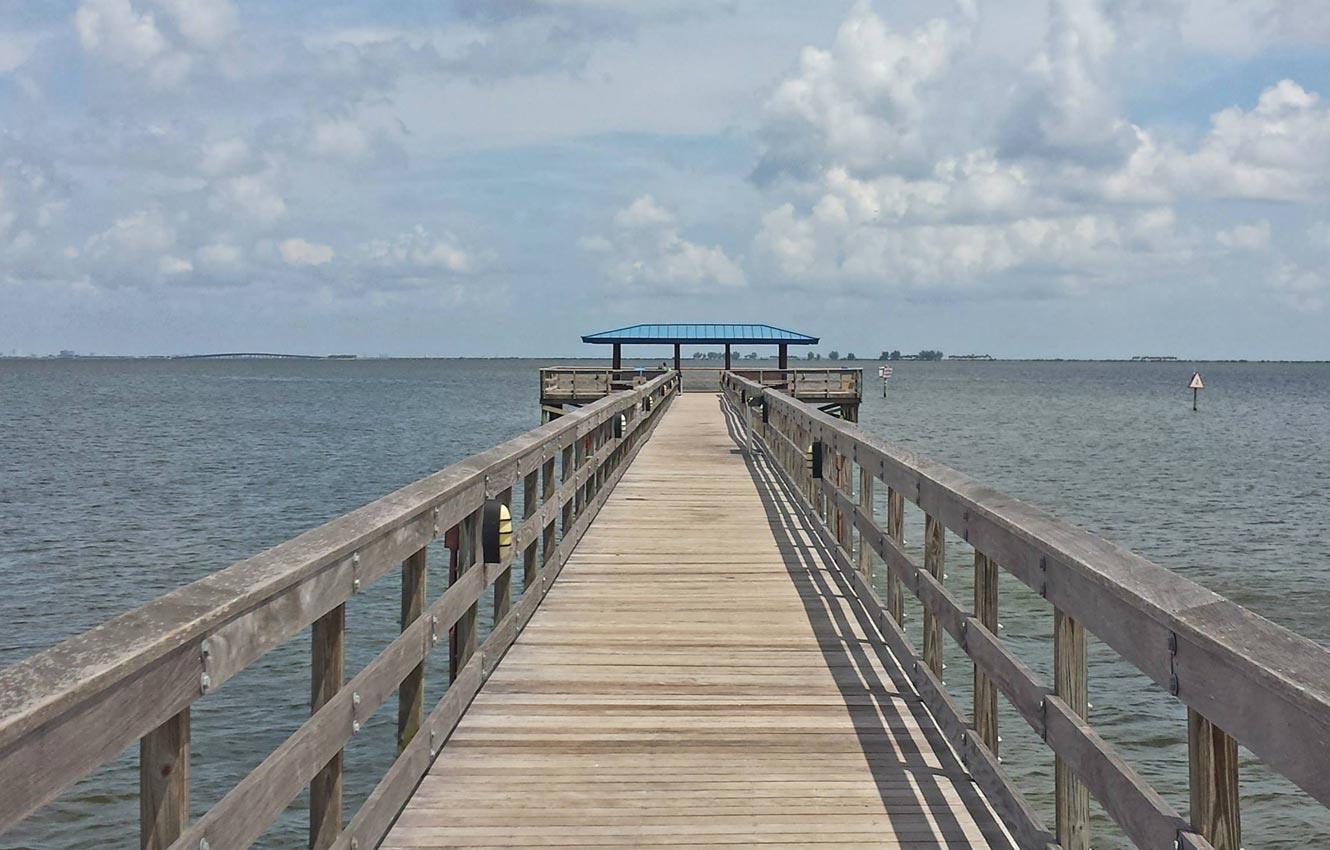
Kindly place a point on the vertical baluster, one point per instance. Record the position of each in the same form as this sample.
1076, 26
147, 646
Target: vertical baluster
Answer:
468, 557
327, 675
866, 505
896, 531
411, 693
842, 518
503, 582
566, 475
1070, 683
579, 458
1213, 761
164, 782
530, 503
986, 612
935, 559
547, 535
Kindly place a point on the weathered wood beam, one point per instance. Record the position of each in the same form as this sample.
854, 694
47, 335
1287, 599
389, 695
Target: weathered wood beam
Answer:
986, 612
935, 556
1070, 684
866, 505
1213, 767
164, 783
411, 693
327, 675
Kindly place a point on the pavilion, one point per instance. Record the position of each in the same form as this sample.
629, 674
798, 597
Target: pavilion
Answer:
678, 335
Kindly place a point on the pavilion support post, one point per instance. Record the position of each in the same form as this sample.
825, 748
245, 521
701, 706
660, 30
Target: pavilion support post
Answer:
617, 363
783, 357
678, 364
727, 357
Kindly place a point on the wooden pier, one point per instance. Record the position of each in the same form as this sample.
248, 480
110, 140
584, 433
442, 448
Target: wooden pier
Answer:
696, 641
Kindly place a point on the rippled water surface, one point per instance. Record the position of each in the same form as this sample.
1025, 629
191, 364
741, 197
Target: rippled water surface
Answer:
120, 480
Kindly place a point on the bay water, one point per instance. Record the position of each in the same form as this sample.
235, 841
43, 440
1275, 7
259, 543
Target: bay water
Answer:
123, 479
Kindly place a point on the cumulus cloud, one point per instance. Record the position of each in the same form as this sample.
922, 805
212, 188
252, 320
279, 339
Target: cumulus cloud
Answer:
1253, 236
646, 251
143, 232
1065, 107
1062, 194
860, 103
299, 252
417, 254
249, 196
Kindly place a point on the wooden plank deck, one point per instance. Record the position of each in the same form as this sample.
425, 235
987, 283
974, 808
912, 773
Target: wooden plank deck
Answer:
697, 677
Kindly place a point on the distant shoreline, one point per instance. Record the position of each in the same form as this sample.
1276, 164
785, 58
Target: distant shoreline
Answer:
688, 364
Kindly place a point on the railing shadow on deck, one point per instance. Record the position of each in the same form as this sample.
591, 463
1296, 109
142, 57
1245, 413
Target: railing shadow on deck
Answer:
893, 755
1243, 679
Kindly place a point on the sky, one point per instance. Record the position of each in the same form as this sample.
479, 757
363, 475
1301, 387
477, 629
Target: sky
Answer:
1074, 178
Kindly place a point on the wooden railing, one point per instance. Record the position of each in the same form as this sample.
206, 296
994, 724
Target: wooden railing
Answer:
587, 383
1243, 679
810, 383
75, 706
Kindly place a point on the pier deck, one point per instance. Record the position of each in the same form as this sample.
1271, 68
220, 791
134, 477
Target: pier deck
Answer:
700, 675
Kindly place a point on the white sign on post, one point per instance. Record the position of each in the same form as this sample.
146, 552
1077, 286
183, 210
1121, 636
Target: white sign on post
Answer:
1196, 382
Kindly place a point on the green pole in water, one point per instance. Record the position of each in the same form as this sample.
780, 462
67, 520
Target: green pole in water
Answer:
1195, 385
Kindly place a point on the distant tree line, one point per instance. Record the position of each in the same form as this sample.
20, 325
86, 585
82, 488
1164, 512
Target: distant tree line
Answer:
926, 354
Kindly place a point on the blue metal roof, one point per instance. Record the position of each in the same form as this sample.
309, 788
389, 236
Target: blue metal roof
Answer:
701, 334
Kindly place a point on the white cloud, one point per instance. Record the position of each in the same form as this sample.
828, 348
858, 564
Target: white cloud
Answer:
219, 256
1253, 236
169, 265
340, 139
859, 104
298, 252
1065, 108
224, 156
646, 251
1304, 289
144, 232
116, 30
206, 23
1275, 151
417, 252
249, 197
16, 48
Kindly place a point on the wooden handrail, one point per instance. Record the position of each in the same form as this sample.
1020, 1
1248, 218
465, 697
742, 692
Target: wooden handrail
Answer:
1239, 674
69, 709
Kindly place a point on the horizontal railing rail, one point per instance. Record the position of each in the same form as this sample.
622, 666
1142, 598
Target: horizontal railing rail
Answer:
71, 708
1243, 678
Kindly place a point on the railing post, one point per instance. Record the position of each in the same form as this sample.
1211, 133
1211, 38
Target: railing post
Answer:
1213, 761
503, 582
865, 504
547, 535
896, 531
164, 783
935, 557
411, 693
328, 671
986, 612
1070, 683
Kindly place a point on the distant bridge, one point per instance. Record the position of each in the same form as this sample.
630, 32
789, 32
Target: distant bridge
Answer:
262, 355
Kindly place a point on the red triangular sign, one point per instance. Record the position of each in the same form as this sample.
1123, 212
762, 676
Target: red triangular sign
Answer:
1196, 382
